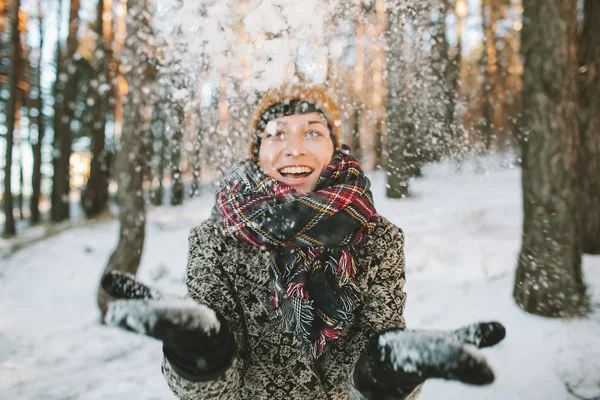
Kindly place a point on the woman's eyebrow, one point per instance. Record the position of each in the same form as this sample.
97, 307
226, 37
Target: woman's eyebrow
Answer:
316, 122
282, 123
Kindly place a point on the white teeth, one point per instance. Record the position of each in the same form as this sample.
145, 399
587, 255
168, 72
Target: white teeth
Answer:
295, 170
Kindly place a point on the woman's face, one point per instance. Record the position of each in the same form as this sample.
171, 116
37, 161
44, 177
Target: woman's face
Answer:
295, 149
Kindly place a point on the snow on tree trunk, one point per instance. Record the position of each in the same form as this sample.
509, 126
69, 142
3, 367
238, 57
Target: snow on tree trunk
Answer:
196, 156
589, 102
62, 133
488, 16
443, 88
174, 131
406, 79
549, 280
175, 84
11, 113
129, 162
157, 166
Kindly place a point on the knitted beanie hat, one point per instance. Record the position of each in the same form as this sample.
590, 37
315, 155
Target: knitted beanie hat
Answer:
320, 97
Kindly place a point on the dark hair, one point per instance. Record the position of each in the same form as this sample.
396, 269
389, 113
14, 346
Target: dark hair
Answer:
284, 109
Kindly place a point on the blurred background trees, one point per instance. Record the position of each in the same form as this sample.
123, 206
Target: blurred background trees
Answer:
86, 132
94, 197
12, 110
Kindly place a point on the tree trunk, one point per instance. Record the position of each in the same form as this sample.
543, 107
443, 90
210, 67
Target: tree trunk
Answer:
95, 196
159, 191
57, 95
177, 188
197, 161
36, 147
589, 103
442, 107
63, 134
379, 160
408, 76
454, 67
397, 180
21, 183
356, 148
129, 163
549, 280
487, 60
160, 143
11, 113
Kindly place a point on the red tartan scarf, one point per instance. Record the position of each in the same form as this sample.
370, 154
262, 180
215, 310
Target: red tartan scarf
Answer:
311, 237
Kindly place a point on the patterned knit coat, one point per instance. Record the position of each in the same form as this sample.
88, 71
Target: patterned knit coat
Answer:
233, 278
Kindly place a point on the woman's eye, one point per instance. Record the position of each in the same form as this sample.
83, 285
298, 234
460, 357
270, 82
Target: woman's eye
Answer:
313, 134
278, 135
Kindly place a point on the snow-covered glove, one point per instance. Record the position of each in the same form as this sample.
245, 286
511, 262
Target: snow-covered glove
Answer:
196, 340
395, 362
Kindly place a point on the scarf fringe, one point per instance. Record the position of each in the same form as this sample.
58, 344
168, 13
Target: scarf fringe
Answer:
298, 307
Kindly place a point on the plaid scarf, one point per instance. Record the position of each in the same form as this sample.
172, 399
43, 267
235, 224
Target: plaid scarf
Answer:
312, 273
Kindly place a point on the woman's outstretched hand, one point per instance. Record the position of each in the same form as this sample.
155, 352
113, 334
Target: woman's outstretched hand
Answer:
196, 339
395, 362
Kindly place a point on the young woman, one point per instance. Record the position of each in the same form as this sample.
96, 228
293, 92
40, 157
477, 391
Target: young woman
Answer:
296, 280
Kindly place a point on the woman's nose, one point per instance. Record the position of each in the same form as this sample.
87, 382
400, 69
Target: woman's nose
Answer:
294, 145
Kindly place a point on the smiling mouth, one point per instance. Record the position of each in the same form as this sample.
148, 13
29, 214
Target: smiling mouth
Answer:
295, 172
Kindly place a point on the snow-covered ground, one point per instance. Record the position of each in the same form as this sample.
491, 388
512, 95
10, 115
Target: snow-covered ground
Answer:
462, 239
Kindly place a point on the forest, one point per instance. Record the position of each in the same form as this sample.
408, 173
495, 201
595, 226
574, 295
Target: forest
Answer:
110, 109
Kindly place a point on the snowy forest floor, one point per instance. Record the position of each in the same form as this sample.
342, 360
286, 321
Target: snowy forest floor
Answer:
463, 231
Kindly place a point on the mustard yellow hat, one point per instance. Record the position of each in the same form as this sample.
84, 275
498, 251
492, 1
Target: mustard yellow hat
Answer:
320, 96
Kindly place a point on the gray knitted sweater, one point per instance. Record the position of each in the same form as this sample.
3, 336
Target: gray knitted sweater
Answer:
233, 279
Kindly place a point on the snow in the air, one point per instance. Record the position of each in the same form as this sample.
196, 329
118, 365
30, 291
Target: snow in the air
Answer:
463, 232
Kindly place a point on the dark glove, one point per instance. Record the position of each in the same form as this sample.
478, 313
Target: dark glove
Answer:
395, 362
196, 340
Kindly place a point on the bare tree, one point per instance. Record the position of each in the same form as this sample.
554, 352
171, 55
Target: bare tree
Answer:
129, 164
11, 114
549, 279
62, 133
589, 102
